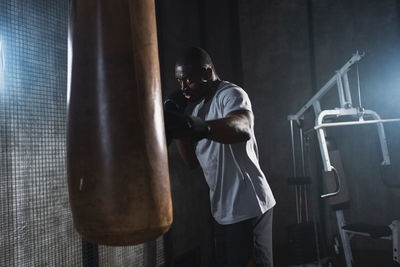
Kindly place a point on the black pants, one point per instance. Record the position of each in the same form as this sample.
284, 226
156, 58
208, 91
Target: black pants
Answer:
236, 243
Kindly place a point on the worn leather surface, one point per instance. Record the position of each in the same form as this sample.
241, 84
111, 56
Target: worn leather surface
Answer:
117, 158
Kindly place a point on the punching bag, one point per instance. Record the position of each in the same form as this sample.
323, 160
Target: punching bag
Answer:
116, 150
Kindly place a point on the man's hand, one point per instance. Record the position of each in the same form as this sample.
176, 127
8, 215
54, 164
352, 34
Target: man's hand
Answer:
185, 127
175, 102
178, 125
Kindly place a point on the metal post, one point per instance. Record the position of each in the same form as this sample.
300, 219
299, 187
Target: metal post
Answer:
347, 93
293, 152
317, 108
395, 226
303, 171
345, 239
324, 150
294, 169
340, 90
382, 137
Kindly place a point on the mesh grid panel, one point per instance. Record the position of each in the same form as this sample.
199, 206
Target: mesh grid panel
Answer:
122, 256
36, 225
119, 256
35, 219
160, 256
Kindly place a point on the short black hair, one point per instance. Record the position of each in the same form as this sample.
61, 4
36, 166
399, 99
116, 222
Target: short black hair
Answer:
195, 57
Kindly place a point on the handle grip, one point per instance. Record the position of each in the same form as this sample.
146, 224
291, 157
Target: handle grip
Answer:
338, 185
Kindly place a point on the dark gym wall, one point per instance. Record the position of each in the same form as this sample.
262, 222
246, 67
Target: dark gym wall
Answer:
273, 49
277, 78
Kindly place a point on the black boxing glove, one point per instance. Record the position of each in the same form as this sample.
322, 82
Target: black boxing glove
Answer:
175, 102
183, 126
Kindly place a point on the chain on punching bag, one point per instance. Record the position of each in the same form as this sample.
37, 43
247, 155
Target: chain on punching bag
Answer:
117, 159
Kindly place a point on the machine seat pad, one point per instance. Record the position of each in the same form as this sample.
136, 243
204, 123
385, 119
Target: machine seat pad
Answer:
375, 231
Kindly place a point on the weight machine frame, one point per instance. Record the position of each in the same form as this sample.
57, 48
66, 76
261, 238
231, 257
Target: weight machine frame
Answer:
349, 116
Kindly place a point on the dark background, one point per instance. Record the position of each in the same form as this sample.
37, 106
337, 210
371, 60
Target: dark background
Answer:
282, 52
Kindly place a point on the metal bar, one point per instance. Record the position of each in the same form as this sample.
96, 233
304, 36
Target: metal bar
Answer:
356, 57
317, 108
300, 203
338, 185
353, 233
303, 189
306, 201
303, 172
324, 150
358, 88
303, 169
340, 90
294, 169
347, 93
345, 239
382, 136
345, 123
321, 132
395, 226
378, 121
293, 152
350, 112
316, 97
316, 242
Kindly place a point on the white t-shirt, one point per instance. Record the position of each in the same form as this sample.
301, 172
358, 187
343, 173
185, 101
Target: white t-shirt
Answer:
238, 187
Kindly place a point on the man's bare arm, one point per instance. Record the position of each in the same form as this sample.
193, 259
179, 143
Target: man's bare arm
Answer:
234, 128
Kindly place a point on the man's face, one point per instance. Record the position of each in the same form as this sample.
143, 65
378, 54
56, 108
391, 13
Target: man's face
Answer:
191, 82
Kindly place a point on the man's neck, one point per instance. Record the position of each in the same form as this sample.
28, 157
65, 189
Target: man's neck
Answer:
213, 88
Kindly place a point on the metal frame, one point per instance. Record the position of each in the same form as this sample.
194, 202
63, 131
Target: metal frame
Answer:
345, 238
354, 116
362, 118
351, 116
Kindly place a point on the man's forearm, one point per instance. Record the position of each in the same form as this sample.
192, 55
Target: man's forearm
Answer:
234, 128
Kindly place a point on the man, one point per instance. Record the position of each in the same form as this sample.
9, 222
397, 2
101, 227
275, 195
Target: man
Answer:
221, 139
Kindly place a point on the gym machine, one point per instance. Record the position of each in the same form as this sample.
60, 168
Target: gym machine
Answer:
348, 115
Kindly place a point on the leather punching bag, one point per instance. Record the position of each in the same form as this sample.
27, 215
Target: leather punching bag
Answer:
116, 153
